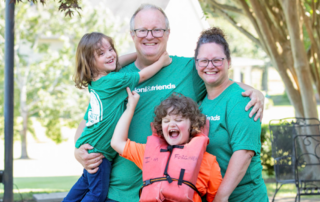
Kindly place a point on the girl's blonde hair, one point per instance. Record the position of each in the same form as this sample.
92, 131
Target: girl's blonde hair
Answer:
88, 46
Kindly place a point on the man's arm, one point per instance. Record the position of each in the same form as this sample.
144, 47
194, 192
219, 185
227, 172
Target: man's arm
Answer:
90, 162
257, 101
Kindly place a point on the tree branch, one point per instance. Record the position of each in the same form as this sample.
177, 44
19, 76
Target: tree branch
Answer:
51, 89
33, 112
276, 19
240, 28
226, 7
255, 25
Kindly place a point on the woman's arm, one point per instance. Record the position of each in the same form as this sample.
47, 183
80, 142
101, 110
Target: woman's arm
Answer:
238, 165
90, 162
257, 101
120, 134
127, 59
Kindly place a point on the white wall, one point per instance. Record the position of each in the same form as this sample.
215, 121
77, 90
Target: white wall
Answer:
186, 22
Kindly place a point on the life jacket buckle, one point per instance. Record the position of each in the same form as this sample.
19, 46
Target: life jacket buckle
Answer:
147, 182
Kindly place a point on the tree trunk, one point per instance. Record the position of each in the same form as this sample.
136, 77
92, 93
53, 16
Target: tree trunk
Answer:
301, 65
24, 115
278, 58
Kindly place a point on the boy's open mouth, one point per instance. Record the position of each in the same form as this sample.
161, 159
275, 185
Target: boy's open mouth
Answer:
174, 133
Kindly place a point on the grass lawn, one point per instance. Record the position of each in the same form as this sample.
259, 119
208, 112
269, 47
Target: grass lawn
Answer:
287, 190
25, 187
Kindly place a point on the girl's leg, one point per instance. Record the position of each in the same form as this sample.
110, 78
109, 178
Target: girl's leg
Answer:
79, 189
99, 183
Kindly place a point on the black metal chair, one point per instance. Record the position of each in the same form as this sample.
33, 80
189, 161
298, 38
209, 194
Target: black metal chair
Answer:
283, 133
307, 163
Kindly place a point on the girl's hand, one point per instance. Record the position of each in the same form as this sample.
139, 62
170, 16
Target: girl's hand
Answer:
133, 98
165, 59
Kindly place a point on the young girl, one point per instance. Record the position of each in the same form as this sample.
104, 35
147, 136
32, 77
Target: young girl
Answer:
96, 68
174, 163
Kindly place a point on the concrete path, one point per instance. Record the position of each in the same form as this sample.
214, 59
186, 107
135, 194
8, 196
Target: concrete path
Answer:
292, 199
55, 197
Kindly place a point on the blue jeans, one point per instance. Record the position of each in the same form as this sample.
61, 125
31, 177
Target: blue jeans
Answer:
92, 187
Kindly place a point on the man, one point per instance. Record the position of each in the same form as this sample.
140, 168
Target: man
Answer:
150, 32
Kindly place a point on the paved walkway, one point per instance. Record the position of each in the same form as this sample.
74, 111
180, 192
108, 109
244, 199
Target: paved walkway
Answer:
291, 199
55, 197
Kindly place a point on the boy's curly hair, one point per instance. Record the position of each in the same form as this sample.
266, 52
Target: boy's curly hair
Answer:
179, 105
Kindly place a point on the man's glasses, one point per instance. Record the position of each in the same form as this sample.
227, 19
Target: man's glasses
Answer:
157, 33
215, 62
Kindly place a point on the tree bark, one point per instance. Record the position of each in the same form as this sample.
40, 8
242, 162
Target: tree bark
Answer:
278, 59
301, 64
24, 115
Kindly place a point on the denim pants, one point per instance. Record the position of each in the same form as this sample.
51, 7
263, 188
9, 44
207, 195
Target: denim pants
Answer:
92, 187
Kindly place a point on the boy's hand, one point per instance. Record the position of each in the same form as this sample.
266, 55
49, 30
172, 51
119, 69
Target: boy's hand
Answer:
133, 98
165, 59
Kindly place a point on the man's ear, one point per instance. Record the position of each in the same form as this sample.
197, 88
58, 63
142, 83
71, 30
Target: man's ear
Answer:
132, 34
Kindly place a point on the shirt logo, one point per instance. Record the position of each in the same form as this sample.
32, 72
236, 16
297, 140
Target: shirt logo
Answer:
213, 118
153, 88
95, 114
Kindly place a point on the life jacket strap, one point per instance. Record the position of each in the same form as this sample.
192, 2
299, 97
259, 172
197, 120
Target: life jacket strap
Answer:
159, 179
181, 176
169, 149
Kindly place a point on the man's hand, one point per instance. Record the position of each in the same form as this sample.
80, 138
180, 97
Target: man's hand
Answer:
90, 162
257, 101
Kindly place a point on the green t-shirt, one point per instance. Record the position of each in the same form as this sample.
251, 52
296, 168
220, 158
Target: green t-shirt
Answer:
107, 96
231, 129
180, 76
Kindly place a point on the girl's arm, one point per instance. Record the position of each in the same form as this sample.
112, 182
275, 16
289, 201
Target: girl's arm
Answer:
151, 70
238, 165
127, 59
120, 134
257, 101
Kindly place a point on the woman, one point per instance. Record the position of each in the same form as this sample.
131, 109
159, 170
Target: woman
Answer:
234, 136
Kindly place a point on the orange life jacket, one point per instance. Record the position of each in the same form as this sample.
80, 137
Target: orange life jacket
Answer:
170, 172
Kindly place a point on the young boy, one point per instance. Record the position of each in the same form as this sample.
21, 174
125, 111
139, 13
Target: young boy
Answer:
177, 125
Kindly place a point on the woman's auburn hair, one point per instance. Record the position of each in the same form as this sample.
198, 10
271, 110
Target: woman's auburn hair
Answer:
88, 46
181, 105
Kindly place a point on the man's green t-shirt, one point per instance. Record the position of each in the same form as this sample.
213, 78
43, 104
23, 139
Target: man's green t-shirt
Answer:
231, 129
180, 76
107, 96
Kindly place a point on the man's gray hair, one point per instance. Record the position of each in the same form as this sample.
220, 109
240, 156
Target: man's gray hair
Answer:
147, 7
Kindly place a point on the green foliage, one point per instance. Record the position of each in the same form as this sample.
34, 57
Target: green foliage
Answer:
67, 6
266, 151
45, 44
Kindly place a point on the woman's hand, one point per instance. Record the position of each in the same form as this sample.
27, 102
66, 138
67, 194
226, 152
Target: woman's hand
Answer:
90, 162
257, 101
